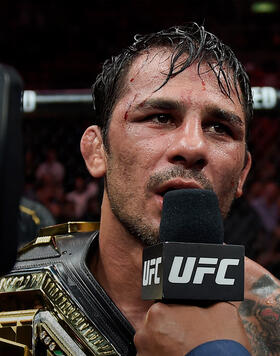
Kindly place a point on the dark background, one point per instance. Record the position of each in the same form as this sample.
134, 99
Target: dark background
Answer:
59, 44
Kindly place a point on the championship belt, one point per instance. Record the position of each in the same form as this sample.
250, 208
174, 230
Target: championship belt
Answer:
52, 305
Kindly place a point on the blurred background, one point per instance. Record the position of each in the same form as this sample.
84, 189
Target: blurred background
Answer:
59, 47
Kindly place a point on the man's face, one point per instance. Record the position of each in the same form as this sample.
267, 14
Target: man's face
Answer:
185, 135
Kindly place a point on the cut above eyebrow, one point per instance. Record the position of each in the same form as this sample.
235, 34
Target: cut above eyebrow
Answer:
225, 115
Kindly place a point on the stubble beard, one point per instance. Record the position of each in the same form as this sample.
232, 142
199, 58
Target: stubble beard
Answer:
136, 223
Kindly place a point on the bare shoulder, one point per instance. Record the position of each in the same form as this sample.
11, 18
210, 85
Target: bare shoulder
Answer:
260, 310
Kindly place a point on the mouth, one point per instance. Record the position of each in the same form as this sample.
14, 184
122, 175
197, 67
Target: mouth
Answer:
175, 185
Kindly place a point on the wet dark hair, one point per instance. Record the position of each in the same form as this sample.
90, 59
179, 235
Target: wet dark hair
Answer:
201, 47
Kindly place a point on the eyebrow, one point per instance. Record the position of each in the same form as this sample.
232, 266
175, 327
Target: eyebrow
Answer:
175, 105
161, 104
224, 115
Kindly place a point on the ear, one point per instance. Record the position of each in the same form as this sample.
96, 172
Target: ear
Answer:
244, 174
93, 151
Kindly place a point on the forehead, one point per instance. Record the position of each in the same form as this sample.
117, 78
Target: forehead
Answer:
149, 70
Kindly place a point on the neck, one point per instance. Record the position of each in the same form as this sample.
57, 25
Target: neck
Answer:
117, 266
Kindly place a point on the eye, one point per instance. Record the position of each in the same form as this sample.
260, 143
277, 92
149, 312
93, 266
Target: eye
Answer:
160, 119
219, 128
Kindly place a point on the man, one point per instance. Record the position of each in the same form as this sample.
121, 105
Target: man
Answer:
172, 111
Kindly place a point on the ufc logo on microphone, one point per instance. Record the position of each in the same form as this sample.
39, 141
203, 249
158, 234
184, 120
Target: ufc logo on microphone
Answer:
201, 270
150, 272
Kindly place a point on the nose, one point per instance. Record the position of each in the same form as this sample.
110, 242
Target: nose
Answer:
188, 147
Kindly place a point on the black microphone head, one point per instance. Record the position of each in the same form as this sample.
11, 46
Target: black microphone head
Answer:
191, 215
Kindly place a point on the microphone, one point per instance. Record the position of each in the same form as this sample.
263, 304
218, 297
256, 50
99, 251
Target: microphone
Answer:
190, 262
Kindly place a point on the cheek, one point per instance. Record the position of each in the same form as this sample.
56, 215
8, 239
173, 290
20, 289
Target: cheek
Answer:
139, 150
227, 167
131, 161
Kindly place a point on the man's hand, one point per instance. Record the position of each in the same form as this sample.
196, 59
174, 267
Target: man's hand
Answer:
177, 329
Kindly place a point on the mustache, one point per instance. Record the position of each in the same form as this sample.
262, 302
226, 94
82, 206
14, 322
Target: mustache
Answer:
179, 172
